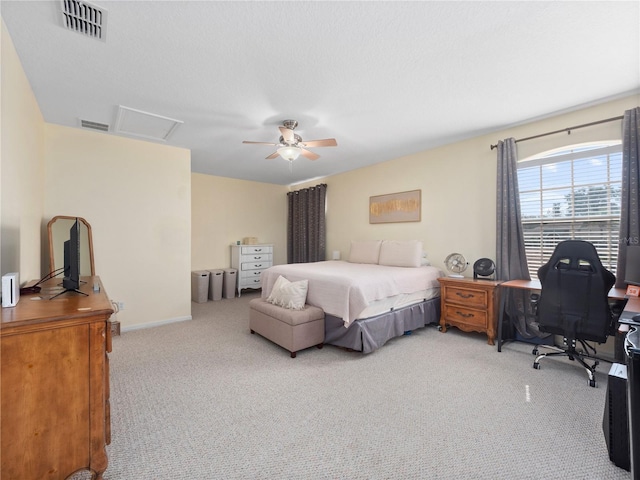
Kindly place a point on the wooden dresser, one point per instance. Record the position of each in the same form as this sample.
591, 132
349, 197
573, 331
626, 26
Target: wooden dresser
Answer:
471, 305
250, 260
54, 415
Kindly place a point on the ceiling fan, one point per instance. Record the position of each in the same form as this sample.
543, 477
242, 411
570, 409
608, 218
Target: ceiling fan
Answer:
290, 145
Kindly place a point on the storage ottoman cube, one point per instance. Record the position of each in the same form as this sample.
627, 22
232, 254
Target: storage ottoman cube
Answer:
291, 329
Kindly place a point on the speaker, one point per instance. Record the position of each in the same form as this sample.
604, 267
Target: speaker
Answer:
615, 421
10, 289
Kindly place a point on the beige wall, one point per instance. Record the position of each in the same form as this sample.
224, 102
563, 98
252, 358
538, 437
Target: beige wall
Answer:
181, 221
21, 168
136, 196
226, 210
458, 187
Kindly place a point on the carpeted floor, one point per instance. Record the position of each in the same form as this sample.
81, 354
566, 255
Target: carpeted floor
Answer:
205, 399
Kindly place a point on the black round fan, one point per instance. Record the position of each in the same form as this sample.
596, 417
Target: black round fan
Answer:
483, 267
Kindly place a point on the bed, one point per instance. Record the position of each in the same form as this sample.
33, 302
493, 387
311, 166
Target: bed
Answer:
383, 291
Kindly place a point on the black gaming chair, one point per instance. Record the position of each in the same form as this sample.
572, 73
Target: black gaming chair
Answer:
574, 303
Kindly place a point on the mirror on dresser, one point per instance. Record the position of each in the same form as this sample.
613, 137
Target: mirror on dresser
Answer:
58, 230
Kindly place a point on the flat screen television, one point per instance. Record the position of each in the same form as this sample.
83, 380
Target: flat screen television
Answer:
632, 266
71, 280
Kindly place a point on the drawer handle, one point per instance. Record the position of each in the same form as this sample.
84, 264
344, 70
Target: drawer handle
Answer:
465, 295
257, 273
258, 265
464, 315
258, 249
257, 257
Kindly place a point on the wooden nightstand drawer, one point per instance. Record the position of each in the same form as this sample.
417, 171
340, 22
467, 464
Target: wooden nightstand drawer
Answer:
466, 296
467, 316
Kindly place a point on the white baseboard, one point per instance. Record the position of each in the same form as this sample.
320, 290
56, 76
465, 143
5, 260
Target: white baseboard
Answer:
156, 324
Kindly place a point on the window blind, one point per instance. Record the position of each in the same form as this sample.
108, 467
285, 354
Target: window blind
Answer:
571, 194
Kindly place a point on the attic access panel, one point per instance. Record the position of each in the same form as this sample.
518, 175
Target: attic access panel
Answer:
145, 125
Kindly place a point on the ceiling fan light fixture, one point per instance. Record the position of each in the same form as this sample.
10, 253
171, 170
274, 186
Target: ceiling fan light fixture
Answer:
289, 152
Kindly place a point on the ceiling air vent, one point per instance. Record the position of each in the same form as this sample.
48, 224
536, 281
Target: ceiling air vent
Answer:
103, 127
84, 18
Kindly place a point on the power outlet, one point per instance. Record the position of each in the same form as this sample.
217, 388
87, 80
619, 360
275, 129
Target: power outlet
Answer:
115, 328
120, 306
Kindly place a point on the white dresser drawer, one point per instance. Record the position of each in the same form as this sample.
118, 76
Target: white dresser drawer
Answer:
255, 265
251, 273
253, 249
250, 282
256, 257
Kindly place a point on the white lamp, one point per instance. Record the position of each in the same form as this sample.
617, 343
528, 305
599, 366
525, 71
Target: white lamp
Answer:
289, 152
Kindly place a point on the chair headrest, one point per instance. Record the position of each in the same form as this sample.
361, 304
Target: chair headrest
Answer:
577, 256
576, 263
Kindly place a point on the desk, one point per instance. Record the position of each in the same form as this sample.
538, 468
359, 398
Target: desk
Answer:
632, 306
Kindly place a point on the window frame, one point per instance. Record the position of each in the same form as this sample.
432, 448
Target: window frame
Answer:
572, 225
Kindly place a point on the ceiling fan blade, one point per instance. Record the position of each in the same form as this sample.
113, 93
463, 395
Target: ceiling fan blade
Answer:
273, 155
309, 154
327, 142
288, 135
259, 143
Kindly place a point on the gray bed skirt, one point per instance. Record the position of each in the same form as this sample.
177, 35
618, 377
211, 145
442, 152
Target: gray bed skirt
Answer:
369, 334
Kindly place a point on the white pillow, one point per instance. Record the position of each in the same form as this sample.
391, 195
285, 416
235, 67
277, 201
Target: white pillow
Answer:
291, 295
401, 253
365, 251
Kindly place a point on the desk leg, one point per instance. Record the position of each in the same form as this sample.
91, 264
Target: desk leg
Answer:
503, 301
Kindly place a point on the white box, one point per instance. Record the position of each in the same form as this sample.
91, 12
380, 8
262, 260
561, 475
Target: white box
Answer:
10, 289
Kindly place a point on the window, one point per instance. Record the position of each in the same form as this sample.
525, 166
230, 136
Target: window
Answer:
571, 194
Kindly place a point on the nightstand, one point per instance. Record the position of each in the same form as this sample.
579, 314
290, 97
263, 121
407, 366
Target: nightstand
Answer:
470, 305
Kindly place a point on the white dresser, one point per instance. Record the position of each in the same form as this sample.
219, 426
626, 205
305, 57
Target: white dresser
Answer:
250, 261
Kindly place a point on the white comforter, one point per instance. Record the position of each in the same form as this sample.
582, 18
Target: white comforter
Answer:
345, 289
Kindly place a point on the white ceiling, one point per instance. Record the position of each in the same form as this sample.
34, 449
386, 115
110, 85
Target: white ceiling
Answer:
386, 79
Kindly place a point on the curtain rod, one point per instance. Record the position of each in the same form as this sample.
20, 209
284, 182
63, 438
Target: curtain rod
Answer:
568, 130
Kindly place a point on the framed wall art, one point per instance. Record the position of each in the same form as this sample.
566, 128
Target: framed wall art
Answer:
395, 207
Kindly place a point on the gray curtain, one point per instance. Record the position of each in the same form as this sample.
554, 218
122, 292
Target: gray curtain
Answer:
630, 194
511, 258
306, 226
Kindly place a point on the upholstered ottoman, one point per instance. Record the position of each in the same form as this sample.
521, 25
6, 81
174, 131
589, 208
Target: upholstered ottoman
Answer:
291, 329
